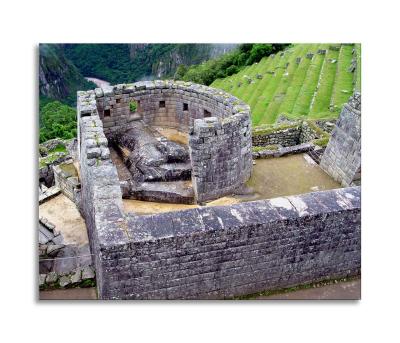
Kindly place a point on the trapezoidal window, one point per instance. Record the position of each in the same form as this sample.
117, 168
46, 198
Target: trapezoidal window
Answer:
207, 114
161, 104
185, 106
107, 113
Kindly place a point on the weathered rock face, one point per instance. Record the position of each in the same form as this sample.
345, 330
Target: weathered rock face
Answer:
151, 158
58, 77
177, 192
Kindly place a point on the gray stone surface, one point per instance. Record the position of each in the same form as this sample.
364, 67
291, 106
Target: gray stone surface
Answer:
64, 281
42, 279
288, 133
76, 277
51, 277
342, 156
87, 273
284, 151
152, 158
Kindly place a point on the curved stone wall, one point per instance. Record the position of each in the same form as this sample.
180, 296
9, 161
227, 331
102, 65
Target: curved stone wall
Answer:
218, 124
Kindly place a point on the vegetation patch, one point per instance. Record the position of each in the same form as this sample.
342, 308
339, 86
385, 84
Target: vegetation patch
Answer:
324, 136
267, 147
49, 159
268, 129
227, 64
59, 148
133, 106
57, 120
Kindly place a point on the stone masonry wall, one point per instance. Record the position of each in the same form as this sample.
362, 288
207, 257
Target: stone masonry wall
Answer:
209, 252
221, 252
219, 126
167, 103
342, 156
101, 197
286, 136
221, 155
66, 181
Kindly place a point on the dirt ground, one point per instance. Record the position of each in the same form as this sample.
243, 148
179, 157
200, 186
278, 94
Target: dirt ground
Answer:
173, 135
63, 213
150, 207
274, 177
348, 290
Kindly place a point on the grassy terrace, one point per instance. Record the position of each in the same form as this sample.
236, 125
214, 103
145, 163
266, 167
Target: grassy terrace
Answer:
314, 88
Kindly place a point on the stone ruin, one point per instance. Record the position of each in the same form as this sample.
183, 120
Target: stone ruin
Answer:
206, 252
342, 156
215, 161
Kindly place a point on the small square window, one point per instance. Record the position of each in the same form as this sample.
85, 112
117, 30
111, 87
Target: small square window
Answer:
207, 114
162, 104
185, 107
117, 101
107, 113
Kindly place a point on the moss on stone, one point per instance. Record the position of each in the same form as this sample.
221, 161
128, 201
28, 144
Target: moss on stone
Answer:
59, 148
268, 129
267, 147
49, 159
322, 142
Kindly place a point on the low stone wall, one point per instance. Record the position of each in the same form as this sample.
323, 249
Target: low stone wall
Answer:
221, 252
326, 124
285, 136
79, 277
66, 179
101, 198
291, 150
288, 134
342, 156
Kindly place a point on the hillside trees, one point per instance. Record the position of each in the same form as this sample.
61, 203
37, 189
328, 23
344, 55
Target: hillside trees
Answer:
227, 64
57, 120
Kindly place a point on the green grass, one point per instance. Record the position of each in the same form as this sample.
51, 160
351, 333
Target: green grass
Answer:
272, 111
326, 83
358, 71
59, 148
343, 83
49, 159
262, 148
315, 88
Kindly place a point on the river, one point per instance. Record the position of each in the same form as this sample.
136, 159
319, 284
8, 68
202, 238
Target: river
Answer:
98, 82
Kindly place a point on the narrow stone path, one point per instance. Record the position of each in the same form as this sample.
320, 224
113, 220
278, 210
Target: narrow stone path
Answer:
348, 290
69, 294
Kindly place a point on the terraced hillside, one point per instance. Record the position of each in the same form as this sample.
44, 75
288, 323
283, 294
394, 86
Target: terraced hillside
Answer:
304, 81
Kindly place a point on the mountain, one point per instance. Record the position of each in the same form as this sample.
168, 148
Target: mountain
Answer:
187, 54
120, 63
59, 79
303, 81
